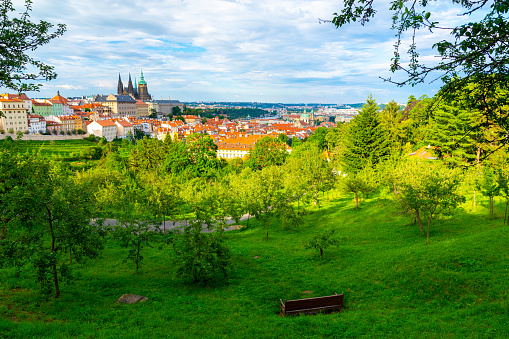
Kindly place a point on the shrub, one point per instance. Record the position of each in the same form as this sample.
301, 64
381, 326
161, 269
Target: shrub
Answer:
2, 131
10, 130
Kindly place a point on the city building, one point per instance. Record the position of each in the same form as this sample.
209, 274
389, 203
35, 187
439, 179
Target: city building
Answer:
14, 115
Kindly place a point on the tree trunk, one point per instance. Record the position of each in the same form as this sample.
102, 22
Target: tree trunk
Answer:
267, 227
491, 206
429, 222
55, 273
70, 257
248, 216
164, 223
316, 196
356, 201
473, 201
505, 216
419, 222
321, 252
3, 232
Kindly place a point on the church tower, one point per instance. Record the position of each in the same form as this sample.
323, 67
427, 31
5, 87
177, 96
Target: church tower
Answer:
143, 94
130, 89
120, 86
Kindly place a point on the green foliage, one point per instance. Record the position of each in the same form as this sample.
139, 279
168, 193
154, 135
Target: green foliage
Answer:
201, 256
202, 153
268, 151
20, 35
429, 189
153, 113
56, 210
365, 141
361, 183
93, 153
176, 110
476, 49
322, 242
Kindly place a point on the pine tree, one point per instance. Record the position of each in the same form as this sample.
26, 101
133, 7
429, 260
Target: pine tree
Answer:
365, 140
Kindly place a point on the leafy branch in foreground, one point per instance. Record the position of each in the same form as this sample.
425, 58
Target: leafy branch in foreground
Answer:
476, 49
18, 35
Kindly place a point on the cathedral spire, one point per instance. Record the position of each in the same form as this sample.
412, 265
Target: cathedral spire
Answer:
142, 80
120, 86
130, 89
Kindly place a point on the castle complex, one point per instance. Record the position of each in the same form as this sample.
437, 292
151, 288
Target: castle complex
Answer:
138, 92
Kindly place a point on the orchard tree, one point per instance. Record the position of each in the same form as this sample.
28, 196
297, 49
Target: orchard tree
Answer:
430, 189
268, 193
53, 221
201, 256
18, 36
322, 242
268, 151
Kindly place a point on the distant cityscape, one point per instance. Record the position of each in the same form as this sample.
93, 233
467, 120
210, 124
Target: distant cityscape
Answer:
132, 111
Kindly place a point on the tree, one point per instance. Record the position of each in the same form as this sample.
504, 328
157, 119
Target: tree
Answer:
431, 189
268, 193
175, 110
359, 183
201, 255
488, 185
202, 152
50, 221
453, 133
365, 141
267, 151
153, 113
322, 242
17, 36
309, 170
477, 49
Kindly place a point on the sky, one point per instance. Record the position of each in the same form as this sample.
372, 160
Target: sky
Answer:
226, 50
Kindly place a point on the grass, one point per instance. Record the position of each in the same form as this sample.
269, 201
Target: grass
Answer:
52, 148
395, 285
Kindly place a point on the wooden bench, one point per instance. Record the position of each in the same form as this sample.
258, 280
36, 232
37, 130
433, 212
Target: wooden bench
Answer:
312, 305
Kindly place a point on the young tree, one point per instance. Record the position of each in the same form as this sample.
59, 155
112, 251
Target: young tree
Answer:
362, 183
18, 36
268, 193
322, 242
487, 184
432, 191
200, 255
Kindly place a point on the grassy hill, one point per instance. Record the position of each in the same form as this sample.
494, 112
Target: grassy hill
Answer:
395, 285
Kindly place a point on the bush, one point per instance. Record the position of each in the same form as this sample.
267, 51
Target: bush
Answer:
200, 255
2, 131
10, 130
8, 138
94, 152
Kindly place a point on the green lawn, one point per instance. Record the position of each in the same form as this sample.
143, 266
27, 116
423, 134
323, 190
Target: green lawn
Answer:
52, 148
395, 285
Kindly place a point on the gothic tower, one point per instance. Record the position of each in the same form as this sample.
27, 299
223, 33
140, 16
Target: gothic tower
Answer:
120, 86
130, 89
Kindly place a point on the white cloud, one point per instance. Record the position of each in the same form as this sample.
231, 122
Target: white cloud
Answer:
226, 49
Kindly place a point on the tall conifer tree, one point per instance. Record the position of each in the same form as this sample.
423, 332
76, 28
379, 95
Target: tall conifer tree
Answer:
365, 140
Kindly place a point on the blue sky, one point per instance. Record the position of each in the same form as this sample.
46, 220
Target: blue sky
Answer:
226, 50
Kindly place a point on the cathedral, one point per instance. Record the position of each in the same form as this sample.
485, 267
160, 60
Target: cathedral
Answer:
138, 92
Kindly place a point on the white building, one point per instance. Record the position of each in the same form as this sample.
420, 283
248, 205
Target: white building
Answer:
103, 129
36, 124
